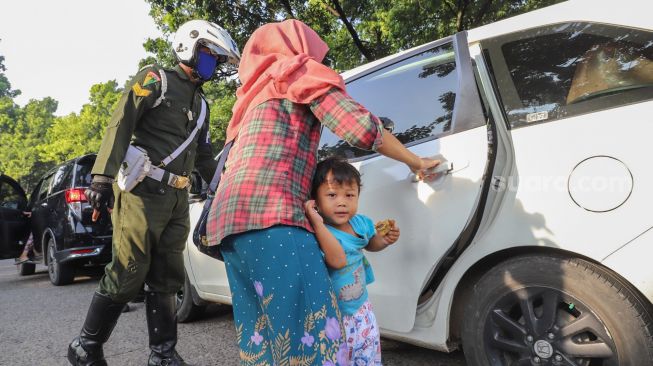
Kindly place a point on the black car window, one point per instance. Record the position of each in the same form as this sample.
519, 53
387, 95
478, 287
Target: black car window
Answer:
11, 196
44, 189
83, 172
61, 178
417, 94
33, 197
562, 70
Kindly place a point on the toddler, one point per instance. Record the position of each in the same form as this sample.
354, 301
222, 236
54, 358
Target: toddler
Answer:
342, 235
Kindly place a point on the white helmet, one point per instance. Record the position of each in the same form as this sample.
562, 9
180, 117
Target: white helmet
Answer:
208, 34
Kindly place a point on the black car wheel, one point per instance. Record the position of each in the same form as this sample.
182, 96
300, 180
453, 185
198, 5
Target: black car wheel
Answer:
60, 274
26, 269
539, 310
186, 309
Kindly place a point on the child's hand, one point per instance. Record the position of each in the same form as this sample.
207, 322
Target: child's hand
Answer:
392, 236
310, 208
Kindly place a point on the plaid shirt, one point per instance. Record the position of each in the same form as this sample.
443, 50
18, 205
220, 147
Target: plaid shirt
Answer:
270, 167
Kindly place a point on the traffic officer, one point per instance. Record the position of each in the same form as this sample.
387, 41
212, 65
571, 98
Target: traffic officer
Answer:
157, 113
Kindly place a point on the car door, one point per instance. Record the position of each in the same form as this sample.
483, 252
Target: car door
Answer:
41, 209
430, 96
14, 225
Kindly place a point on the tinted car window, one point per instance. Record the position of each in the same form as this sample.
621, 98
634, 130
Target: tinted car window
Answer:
559, 71
44, 189
33, 197
61, 178
416, 94
11, 197
83, 172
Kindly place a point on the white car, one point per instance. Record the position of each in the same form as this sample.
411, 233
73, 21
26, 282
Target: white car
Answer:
534, 246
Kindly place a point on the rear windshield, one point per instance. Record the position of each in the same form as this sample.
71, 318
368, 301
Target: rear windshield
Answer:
83, 172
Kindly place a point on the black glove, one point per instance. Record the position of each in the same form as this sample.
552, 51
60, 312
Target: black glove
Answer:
100, 193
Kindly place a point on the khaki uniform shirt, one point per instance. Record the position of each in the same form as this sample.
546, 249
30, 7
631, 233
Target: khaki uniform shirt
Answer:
159, 130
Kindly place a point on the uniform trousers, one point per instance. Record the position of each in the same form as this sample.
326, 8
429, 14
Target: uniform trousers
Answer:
150, 229
285, 309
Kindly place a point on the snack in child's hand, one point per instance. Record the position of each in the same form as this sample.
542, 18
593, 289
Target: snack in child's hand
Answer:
384, 226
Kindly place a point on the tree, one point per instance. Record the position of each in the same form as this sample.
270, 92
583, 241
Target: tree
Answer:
357, 31
5, 86
7, 105
74, 135
21, 142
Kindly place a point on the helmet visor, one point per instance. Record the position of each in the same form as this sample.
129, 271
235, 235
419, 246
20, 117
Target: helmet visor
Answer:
215, 51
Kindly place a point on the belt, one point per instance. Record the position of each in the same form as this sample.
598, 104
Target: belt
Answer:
173, 180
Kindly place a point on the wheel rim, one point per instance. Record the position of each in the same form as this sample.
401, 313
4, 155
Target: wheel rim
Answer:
52, 260
545, 326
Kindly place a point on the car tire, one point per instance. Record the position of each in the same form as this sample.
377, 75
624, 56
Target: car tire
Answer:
547, 310
187, 310
26, 269
60, 274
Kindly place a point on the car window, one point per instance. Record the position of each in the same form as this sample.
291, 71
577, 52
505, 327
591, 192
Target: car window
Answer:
83, 169
61, 178
44, 190
11, 196
559, 71
33, 197
417, 94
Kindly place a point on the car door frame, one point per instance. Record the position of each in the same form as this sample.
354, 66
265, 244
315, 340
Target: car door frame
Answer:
9, 249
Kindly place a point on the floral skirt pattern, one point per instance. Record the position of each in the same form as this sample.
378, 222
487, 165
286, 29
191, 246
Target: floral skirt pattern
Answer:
363, 337
285, 310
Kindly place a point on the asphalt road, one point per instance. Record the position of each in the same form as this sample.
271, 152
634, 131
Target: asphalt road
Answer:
38, 320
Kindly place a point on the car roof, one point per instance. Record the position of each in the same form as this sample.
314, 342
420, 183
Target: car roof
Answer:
79, 159
572, 10
633, 13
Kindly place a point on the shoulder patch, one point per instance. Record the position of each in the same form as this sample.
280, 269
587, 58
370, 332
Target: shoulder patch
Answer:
139, 91
151, 78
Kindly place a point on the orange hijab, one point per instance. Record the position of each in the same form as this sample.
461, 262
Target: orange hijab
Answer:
281, 61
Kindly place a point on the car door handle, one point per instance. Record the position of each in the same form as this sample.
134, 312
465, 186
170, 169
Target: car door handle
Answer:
441, 170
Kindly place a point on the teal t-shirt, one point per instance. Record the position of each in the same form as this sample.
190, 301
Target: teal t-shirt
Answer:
350, 282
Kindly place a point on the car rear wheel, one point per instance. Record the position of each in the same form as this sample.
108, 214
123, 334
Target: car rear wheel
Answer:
60, 274
187, 310
26, 269
543, 310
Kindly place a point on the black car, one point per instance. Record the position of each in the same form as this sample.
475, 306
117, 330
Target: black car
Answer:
64, 234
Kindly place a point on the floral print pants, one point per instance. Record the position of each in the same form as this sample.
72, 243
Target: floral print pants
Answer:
285, 310
363, 337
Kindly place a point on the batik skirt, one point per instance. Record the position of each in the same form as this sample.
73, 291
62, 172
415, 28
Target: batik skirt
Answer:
285, 310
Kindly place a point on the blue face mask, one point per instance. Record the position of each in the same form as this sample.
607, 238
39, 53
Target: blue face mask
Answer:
205, 66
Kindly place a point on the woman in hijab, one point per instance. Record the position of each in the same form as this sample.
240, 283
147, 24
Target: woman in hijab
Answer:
285, 309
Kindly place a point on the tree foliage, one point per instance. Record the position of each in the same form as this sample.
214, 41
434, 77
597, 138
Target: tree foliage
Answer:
33, 139
79, 134
22, 140
357, 31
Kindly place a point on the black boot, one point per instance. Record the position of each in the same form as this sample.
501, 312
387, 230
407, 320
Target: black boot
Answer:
162, 327
86, 350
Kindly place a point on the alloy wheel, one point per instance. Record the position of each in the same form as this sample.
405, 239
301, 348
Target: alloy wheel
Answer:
545, 326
